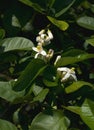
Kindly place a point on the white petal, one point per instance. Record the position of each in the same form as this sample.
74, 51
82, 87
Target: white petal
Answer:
74, 77
47, 39
50, 34
43, 36
43, 53
35, 49
65, 77
42, 31
36, 56
63, 69
38, 38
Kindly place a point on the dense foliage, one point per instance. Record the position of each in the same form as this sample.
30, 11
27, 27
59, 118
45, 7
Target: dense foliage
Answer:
46, 65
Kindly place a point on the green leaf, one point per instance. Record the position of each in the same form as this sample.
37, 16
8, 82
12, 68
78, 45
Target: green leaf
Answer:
73, 52
41, 96
87, 113
49, 77
35, 6
86, 22
49, 83
77, 85
74, 109
92, 7
33, 69
2, 33
65, 9
54, 121
6, 125
74, 129
90, 41
16, 43
59, 23
7, 93
15, 22
36, 89
51, 2
71, 60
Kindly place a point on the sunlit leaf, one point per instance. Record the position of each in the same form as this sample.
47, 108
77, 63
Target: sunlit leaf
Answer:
65, 9
86, 22
6, 125
56, 121
77, 85
73, 59
74, 109
35, 6
87, 113
59, 23
16, 43
33, 69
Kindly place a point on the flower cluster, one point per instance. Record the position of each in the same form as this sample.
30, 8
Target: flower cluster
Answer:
44, 38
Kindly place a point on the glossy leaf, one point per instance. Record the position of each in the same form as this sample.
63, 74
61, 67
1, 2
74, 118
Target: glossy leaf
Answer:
35, 6
55, 121
74, 109
62, 25
7, 93
77, 85
86, 22
6, 125
65, 9
73, 59
33, 69
87, 113
90, 41
16, 43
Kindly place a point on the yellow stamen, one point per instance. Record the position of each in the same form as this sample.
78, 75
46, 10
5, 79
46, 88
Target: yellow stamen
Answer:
39, 47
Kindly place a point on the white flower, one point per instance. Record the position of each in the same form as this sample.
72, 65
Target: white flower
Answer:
66, 73
45, 37
39, 51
